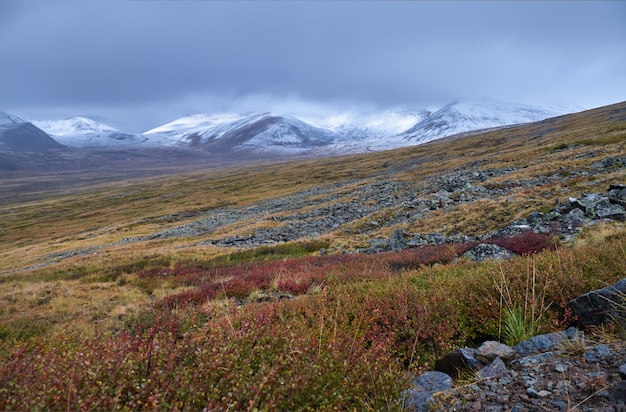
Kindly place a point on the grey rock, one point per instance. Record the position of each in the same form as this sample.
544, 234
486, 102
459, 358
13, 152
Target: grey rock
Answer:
597, 353
573, 333
485, 251
419, 397
560, 405
490, 350
535, 217
495, 369
533, 360
561, 368
428, 239
539, 343
622, 371
609, 163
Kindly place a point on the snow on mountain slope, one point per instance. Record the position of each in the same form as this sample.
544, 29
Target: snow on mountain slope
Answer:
80, 132
187, 129
354, 126
231, 132
464, 116
17, 134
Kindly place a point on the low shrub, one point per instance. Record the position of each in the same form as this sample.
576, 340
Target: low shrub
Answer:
525, 243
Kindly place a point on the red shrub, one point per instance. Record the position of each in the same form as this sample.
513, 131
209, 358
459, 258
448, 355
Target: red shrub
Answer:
526, 243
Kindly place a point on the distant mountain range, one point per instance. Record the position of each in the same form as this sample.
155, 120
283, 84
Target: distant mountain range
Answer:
275, 133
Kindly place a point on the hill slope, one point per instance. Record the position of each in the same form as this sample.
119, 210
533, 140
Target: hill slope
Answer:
179, 291
17, 134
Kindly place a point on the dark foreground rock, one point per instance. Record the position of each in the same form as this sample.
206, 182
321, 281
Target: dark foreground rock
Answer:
600, 306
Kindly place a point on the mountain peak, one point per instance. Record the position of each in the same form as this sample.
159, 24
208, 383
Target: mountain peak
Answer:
10, 119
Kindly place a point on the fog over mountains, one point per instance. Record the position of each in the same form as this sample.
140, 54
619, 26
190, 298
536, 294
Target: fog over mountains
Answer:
276, 133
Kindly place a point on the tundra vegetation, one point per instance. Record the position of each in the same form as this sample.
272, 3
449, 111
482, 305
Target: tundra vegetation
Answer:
100, 312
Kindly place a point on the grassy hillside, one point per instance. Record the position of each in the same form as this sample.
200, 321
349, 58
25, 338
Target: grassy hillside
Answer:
129, 295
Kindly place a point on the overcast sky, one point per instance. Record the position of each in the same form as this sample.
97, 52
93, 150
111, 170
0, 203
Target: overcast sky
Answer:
136, 64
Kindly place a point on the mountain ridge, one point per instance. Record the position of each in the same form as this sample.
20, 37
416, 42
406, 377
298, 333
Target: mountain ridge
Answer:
285, 134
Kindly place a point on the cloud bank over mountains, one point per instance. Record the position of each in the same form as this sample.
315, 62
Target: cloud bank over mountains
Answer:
133, 63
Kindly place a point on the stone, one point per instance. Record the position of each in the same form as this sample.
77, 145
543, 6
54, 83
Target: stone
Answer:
428, 239
595, 355
490, 350
419, 397
560, 405
485, 251
535, 218
539, 343
618, 392
622, 371
609, 162
495, 369
600, 207
599, 306
458, 361
617, 186
533, 360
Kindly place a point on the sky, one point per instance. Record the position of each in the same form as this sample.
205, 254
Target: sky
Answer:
137, 64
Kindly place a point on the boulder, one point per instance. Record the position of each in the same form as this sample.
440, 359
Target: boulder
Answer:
599, 306
458, 361
491, 349
539, 343
485, 251
419, 397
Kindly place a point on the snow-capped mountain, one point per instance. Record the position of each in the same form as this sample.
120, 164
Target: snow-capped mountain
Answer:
465, 116
80, 132
230, 132
17, 134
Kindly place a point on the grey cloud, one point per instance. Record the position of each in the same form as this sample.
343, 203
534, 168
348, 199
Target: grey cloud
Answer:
119, 56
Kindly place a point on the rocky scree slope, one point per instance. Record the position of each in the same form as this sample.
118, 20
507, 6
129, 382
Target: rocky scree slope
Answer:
364, 208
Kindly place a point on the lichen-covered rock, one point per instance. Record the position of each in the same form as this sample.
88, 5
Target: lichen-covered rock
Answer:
485, 251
